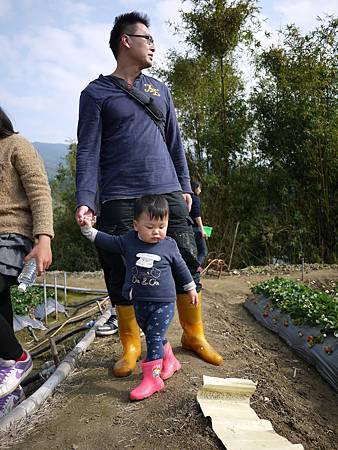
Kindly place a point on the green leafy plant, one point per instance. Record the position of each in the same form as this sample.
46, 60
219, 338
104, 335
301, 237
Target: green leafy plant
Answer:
305, 305
24, 302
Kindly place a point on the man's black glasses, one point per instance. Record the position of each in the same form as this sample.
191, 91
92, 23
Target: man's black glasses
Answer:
149, 38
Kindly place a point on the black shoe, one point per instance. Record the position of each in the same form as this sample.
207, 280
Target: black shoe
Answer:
109, 328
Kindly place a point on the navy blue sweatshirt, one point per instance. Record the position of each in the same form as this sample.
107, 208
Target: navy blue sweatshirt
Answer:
195, 208
120, 148
151, 269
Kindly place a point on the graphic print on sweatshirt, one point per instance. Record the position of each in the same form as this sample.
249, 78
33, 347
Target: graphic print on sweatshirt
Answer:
144, 272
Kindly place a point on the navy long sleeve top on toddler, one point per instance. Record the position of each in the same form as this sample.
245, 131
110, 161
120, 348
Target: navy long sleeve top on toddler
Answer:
151, 269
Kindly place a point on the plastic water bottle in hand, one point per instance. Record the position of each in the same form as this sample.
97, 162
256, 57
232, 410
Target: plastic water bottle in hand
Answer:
28, 275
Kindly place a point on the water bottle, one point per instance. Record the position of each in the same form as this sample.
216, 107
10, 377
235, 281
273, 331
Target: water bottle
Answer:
28, 275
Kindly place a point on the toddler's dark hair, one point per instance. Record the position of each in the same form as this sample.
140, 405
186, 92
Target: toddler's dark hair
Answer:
155, 206
195, 185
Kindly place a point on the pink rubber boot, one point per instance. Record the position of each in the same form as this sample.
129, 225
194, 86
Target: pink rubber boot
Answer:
152, 381
170, 363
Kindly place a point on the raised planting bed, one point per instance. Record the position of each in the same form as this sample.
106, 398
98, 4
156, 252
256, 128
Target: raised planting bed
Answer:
306, 319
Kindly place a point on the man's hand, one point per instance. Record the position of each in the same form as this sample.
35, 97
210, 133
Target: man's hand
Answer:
193, 296
188, 200
42, 253
82, 213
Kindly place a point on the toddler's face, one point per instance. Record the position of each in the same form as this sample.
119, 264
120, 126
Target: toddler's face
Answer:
151, 230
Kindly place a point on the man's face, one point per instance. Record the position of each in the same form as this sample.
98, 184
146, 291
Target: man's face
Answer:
141, 48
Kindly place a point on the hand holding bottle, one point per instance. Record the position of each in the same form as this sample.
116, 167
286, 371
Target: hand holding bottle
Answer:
42, 253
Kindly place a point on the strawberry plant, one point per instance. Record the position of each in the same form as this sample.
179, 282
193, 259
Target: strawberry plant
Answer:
24, 302
305, 305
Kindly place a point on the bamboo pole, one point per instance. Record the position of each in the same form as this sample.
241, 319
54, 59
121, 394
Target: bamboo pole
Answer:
54, 351
56, 297
65, 288
45, 296
233, 246
75, 289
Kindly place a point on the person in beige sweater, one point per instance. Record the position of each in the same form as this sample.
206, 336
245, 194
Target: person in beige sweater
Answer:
26, 230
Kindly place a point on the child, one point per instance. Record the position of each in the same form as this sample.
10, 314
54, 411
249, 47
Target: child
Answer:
153, 265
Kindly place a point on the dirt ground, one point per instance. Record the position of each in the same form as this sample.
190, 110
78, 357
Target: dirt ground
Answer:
91, 410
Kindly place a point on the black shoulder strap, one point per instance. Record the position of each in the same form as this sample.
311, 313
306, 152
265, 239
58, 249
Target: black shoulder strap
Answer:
147, 102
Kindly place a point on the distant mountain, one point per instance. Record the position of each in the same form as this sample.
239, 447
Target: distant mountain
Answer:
52, 154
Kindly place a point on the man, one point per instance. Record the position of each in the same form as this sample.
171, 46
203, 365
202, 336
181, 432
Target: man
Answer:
124, 152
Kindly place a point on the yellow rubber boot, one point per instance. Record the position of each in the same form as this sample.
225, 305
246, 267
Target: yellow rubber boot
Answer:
193, 332
130, 339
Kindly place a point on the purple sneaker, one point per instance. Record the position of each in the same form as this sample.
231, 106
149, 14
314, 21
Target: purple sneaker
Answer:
10, 401
12, 373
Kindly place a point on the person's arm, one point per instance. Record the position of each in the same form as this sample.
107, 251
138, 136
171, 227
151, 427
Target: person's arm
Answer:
175, 147
198, 220
87, 156
34, 180
196, 213
105, 241
182, 275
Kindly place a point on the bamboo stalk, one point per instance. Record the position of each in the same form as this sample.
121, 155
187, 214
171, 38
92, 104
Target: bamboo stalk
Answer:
233, 246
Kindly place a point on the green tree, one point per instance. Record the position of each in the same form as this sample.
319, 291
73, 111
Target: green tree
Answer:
267, 161
209, 94
295, 108
71, 252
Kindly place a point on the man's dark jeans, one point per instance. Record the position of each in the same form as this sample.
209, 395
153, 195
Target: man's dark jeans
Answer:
116, 218
201, 244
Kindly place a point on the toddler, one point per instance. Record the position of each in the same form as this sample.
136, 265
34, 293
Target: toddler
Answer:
153, 265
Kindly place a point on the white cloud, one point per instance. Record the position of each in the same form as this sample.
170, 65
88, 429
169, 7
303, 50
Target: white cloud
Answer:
77, 9
55, 65
304, 12
5, 8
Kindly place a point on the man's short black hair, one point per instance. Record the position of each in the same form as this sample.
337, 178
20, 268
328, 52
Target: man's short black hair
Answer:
155, 206
125, 23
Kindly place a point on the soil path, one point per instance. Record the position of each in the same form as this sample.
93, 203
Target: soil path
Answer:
91, 409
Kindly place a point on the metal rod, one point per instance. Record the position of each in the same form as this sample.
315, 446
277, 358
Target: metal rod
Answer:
45, 296
233, 246
65, 287
302, 269
56, 296
75, 289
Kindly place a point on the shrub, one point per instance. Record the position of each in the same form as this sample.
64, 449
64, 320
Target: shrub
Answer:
24, 302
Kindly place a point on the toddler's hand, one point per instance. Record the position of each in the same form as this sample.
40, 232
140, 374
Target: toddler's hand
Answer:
87, 227
87, 222
194, 296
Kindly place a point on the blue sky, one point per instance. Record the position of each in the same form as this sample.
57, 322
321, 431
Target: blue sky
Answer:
50, 50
